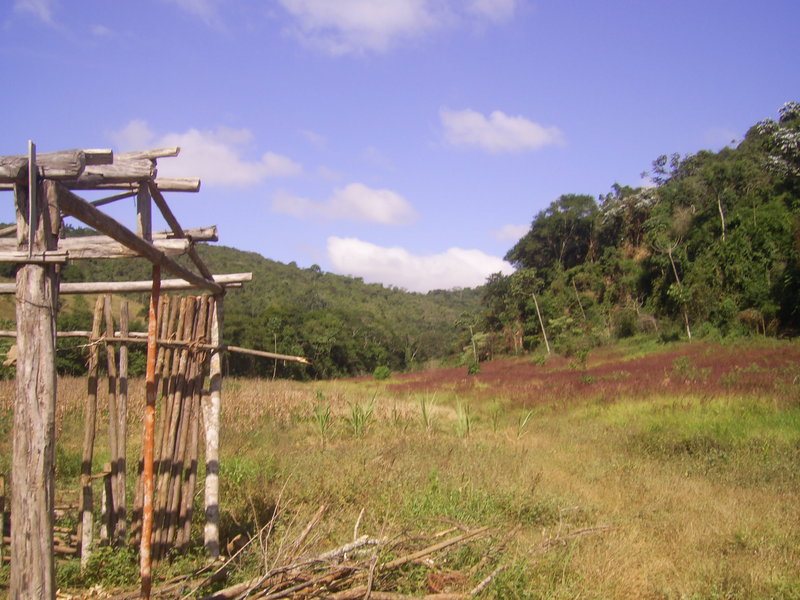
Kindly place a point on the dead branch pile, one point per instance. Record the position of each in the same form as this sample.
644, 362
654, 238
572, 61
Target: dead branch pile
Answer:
361, 568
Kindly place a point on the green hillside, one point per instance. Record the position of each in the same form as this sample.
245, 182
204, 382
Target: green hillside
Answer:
344, 326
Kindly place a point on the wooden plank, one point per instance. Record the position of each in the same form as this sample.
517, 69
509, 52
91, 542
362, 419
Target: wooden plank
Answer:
111, 287
91, 216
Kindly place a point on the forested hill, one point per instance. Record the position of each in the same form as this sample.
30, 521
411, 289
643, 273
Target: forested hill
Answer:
711, 249
341, 324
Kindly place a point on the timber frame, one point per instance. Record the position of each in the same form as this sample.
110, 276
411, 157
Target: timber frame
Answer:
45, 190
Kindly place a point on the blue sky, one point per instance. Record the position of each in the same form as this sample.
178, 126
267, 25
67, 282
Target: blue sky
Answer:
408, 142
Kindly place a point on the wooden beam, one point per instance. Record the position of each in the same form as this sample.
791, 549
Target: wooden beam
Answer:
121, 171
45, 257
178, 184
151, 154
90, 246
112, 287
162, 205
165, 184
114, 198
67, 164
91, 216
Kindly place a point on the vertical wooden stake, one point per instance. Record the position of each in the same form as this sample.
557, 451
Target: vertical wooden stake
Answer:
113, 423
211, 415
122, 426
86, 501
145, 559
2, 515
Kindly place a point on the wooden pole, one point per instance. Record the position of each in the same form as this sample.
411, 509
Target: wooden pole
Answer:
113, 421
86, 507
122, 428
211, 417
32, 572
145, 559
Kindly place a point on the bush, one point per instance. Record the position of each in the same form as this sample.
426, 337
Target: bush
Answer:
382, 372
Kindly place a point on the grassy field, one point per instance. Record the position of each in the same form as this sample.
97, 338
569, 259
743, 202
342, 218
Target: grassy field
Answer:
639, 472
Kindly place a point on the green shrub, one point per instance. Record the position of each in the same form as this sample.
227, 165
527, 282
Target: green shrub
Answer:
381, 372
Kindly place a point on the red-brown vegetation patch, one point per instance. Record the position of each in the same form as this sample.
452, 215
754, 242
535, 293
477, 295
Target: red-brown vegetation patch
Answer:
699, 368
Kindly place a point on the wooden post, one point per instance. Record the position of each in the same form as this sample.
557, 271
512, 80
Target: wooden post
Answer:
113, 422
2, 516
145, 559
211, 415
86, 508
122, 426
32, 572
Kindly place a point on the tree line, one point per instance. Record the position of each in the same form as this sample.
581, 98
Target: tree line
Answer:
709, 249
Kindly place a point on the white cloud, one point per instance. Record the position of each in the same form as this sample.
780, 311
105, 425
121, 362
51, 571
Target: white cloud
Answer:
357, 26
41, 9
510, 233
214, 156
317, 140
396, 266
355, 201
496, 10
206, 10
497, 133
101, 31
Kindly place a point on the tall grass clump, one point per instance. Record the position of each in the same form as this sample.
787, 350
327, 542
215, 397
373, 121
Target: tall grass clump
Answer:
323, 420
359, 418
426, 413
464, 420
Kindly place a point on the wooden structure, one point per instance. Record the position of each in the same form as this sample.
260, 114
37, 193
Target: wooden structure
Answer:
45, 189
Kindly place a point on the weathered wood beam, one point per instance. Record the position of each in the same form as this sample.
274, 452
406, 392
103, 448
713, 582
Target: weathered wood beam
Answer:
197, 234
7, 255
122, 170
165, 184
226, 280
92, 246
66, 164
91, 216
150, 154
162, 205
178, 184
113, 198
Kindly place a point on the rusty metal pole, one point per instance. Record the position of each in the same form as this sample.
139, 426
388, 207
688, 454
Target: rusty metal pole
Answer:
145, 558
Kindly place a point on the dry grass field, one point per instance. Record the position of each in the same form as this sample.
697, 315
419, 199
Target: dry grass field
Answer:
639, 472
